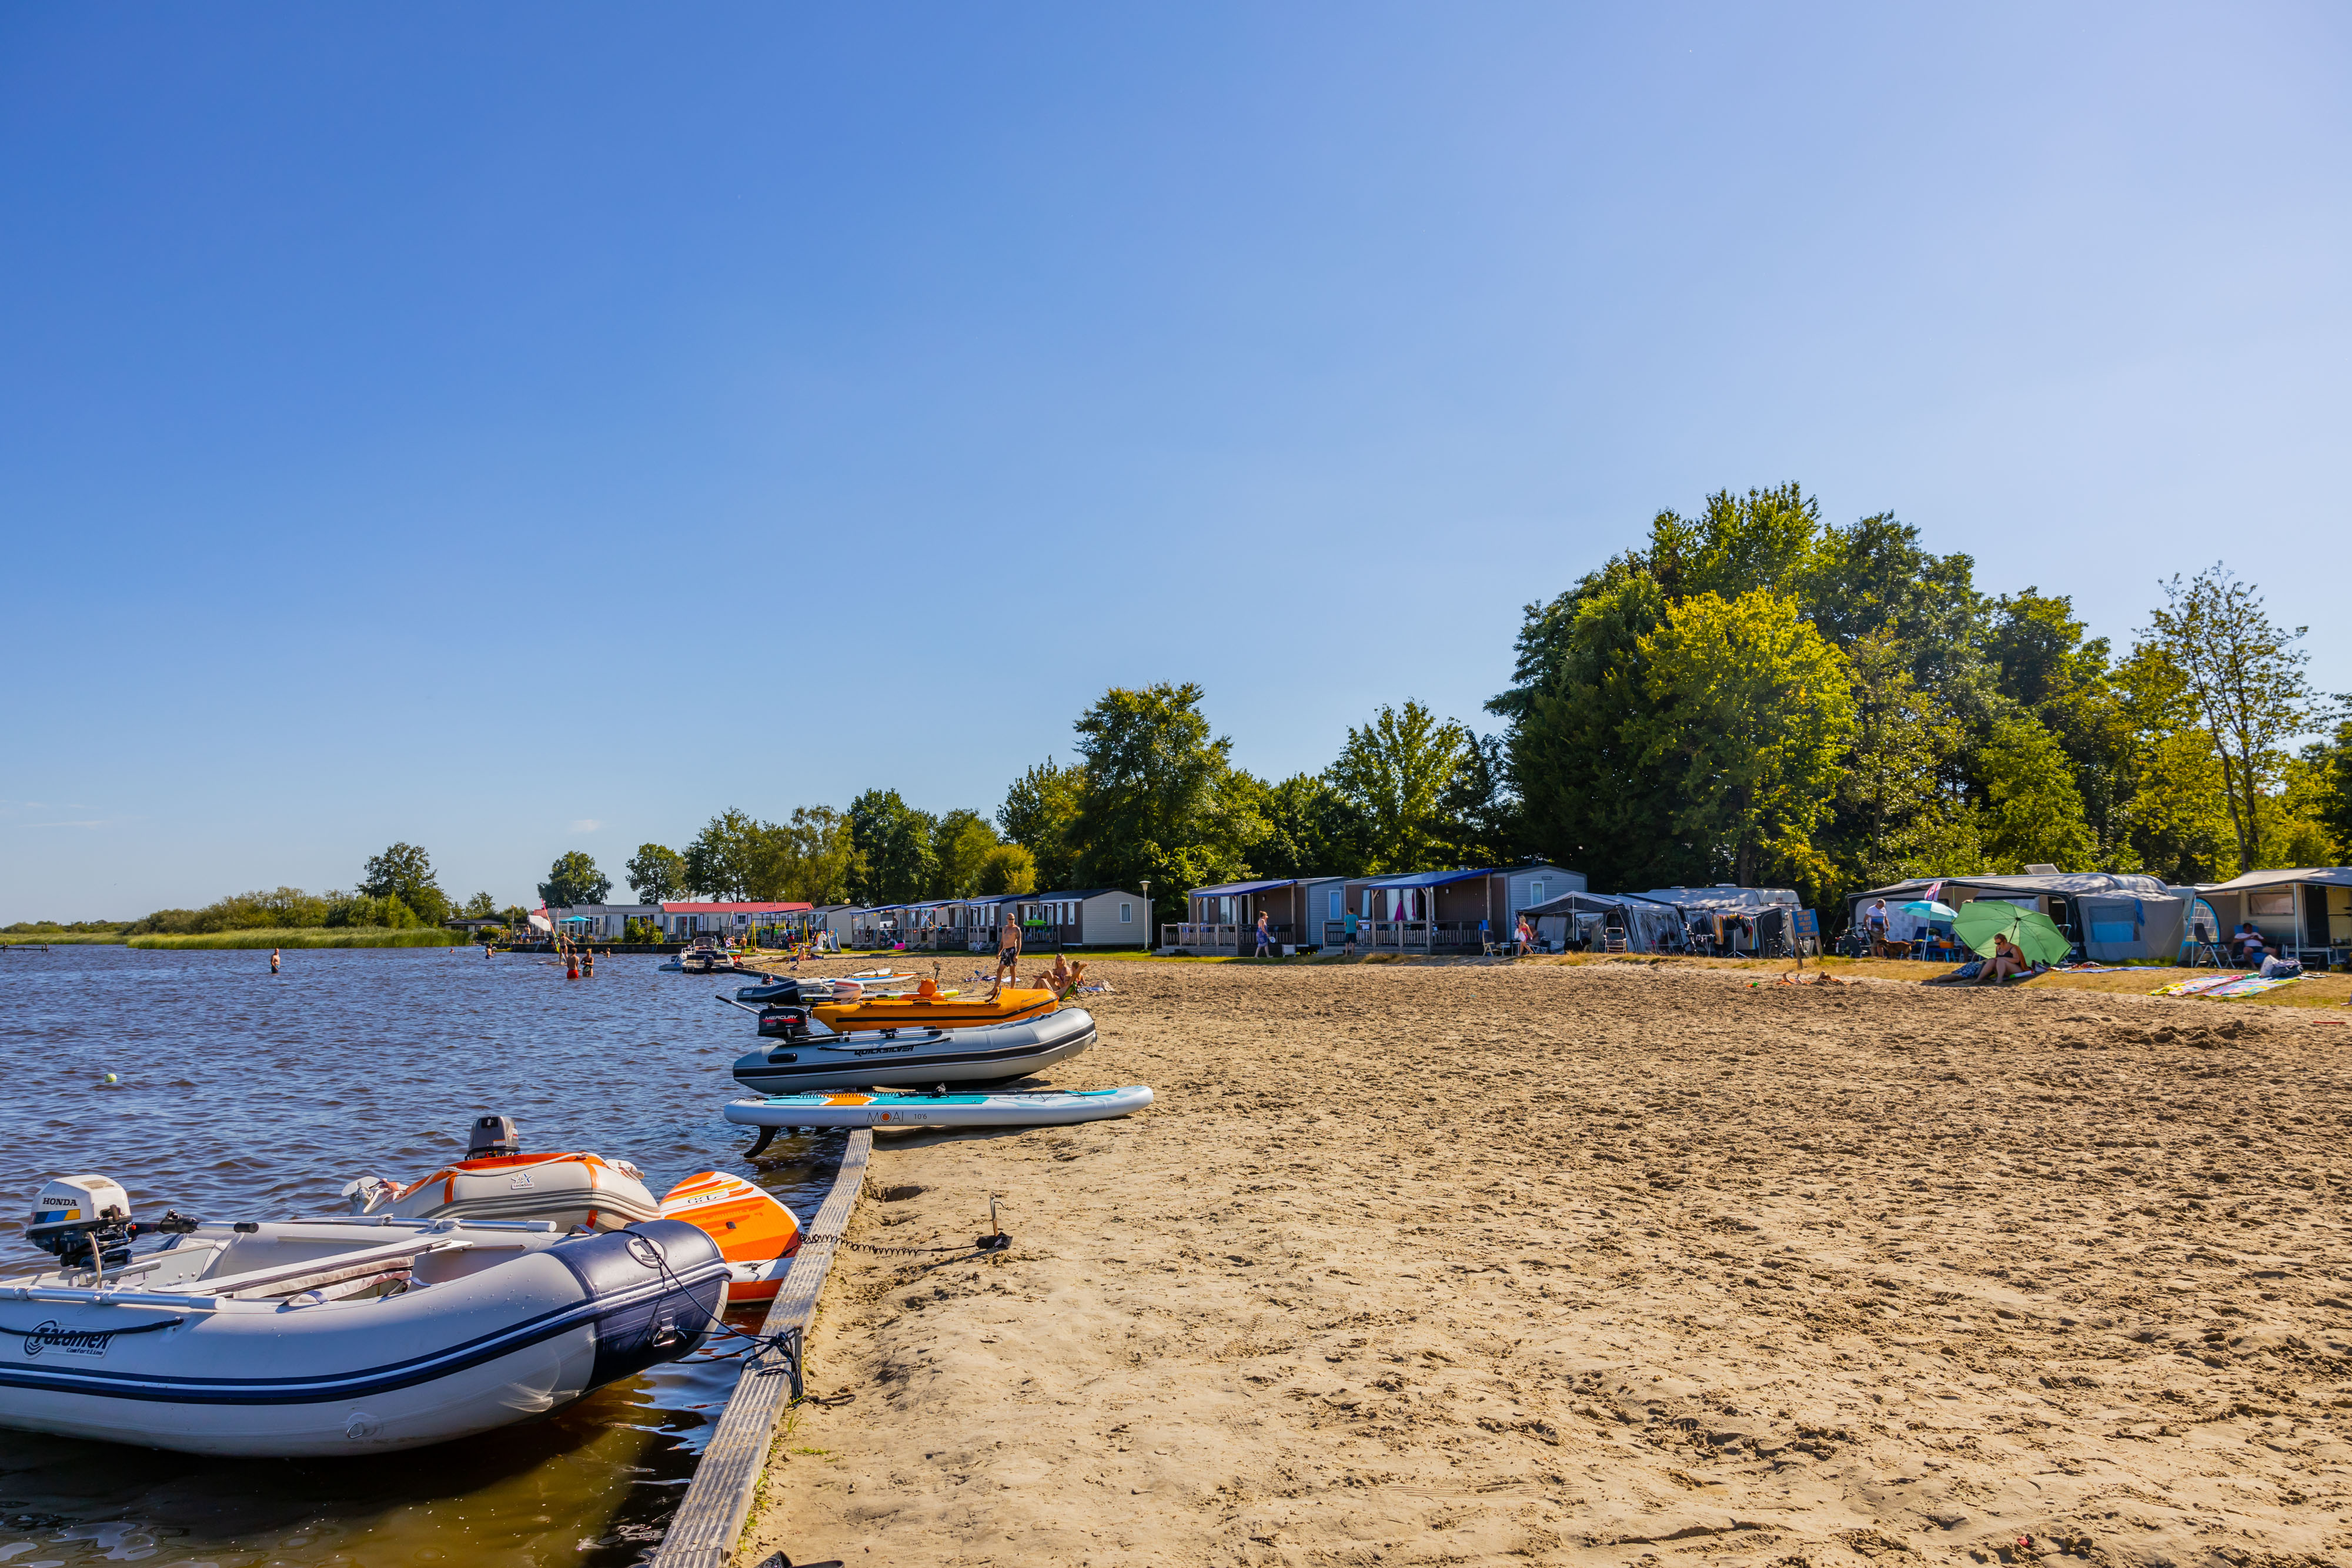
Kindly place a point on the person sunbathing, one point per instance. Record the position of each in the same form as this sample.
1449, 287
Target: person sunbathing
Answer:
1064, 979
2008, 958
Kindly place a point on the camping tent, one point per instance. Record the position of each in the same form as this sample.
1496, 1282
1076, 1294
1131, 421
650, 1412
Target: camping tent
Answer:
1644, 920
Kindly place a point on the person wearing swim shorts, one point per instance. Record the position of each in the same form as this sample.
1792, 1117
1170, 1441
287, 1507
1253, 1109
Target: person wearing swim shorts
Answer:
1008, 955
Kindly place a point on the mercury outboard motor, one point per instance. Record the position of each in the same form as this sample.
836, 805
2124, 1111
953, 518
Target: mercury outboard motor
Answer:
86, 1220
493, 1137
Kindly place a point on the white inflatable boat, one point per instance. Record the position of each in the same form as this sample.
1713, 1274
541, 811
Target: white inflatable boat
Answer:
332, 1336
1039, 1108
497, 1180
801, 1053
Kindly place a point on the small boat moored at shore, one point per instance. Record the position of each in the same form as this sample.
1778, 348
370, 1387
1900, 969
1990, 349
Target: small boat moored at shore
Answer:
757, 1235
308, 1337
497, 1180
1012, 1108
796, 1058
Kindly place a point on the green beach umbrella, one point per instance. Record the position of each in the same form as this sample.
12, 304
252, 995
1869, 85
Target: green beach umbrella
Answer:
1983, 920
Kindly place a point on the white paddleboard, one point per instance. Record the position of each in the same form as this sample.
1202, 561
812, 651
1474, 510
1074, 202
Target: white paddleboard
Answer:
1043, 1108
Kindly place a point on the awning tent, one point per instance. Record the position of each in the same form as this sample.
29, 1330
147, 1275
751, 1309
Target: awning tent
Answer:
1644, 920
2305, 909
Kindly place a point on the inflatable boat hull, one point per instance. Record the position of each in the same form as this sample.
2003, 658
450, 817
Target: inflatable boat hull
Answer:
917, 1058
499, 1325
1049, 1108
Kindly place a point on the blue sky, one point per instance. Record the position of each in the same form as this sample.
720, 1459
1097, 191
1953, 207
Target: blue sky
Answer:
525, 428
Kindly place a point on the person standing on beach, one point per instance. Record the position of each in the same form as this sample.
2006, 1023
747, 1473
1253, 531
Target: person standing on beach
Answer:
1524, 938
1351, 934
1008, 957
1265, 937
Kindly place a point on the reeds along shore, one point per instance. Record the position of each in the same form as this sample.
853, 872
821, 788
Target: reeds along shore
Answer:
338, 936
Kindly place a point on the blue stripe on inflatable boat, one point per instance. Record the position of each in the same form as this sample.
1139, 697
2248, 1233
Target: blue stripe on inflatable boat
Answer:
359, 1384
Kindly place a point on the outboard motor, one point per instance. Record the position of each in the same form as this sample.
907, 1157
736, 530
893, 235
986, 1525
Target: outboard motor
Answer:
86, 1219
493, 1137
783, 1023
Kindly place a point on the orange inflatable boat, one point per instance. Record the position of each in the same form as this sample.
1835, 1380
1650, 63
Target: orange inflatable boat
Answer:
757, 1235
927, 1010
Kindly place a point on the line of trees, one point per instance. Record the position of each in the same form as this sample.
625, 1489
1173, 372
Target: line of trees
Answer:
396, 890
1756, 696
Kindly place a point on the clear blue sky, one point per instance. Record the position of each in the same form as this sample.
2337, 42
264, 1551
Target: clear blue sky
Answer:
927, 370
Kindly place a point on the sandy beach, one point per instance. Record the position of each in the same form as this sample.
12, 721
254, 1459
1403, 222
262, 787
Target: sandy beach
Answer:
1611, 1263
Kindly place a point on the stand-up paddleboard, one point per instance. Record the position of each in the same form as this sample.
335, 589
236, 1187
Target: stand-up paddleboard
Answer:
757, 1235
1043, 1108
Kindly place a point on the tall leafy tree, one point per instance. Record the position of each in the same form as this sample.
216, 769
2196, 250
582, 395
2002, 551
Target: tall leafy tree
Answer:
657, 874
730, 860
1753, 715
1041, 814
1311, 831
2247, 679
2045, 665
2330, 763
2034, 810
2176, 809
896, 857
404, 871
1161, 799
1899, 812
1395, 772
574, 879
824, 855
1591, 795
1007, 868
964, 838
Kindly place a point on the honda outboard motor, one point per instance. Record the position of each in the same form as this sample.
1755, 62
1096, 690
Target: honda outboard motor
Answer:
86, 1220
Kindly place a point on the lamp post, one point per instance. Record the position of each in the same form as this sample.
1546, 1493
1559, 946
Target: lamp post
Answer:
1151, 944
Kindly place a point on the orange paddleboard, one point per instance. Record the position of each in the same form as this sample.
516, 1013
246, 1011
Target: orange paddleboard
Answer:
757, 1235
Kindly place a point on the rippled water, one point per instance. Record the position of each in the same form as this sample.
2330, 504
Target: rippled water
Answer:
248, 1095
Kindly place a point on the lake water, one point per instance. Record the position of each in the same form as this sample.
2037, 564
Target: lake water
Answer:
248, 1095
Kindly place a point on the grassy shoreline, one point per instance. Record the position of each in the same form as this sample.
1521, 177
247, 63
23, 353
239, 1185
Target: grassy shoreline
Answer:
325, 936
60, 938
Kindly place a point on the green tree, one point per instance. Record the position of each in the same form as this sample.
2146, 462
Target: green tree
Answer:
2176, 805
963, 841
481, 906
1395, 773
1007, 868
404, 872
1041, 814
1311, 831
2045, 666
2034, 813
572, 878
733, 859
1899, 811
897, 861
1162, 800
1590, 796
824, 856
2330, 773
1753, 716
657, 874
2246, 678
1480, 812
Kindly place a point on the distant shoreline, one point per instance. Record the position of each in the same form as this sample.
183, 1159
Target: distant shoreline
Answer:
322, 936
